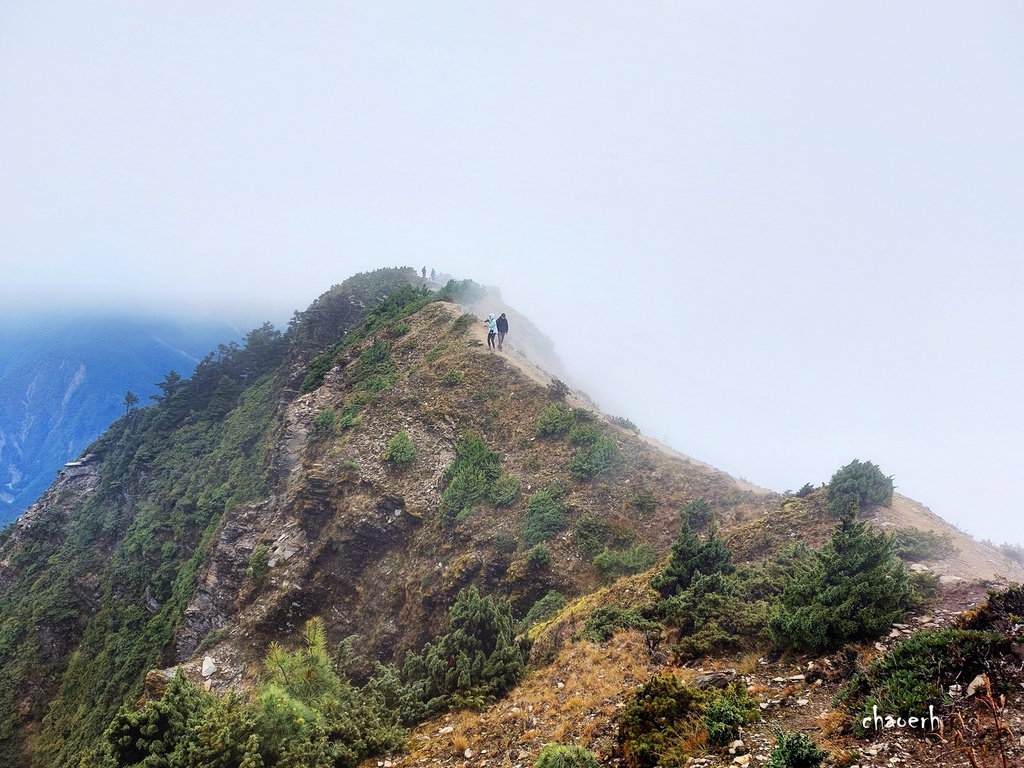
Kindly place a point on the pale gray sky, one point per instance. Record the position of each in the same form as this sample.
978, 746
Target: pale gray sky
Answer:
778, 236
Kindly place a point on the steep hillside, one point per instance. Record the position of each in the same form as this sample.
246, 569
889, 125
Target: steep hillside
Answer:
376, 476
371, 551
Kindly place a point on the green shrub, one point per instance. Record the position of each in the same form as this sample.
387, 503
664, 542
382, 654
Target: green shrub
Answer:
914, 545
462, 292
472, 451
374, 370
467, 488
584, 433
323, 424
698, 513
558, 389
435, 354
478, 660
925, 586
504, 543
470, 477
554, 421
853, 589
401, 452
259, 564
658, 722
505, 491
462, 324
565, 756
725, 711
794, 750
805, 491
538, 558
590, 462
917, 672
612, 565
542, 610
349, 416
622, 421
452, 378
858, 485
545, 515
591, 535
667, 721
644, 501
304, 713
603, 623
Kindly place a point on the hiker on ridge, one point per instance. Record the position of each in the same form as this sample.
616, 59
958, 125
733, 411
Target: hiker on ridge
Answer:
492, 330
502, 326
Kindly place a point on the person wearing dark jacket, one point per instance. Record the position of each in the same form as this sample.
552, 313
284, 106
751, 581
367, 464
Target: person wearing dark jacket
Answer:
502, 329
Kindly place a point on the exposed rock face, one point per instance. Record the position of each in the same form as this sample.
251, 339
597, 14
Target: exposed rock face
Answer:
48, 516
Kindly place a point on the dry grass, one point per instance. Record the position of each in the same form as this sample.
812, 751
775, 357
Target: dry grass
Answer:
747, 663
460, 743
832, 722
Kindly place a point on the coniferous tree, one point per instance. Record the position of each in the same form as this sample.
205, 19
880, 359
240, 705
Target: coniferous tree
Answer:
130, 401
853, 589
477, 661
691, 556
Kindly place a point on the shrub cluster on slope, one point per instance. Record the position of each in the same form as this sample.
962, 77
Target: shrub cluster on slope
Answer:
307, 711
668, 721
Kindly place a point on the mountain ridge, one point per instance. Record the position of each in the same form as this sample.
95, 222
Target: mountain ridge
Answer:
261, 495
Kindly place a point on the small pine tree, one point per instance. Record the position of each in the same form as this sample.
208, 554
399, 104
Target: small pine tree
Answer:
691, 556
401, 451
130, 401
854, 588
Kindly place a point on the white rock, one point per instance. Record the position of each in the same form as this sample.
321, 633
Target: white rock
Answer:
447, 729
208, 666
468, 753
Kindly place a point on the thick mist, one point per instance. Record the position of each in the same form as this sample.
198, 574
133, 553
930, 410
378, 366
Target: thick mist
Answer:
776, 237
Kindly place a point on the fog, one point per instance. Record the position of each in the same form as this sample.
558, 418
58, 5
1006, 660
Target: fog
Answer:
777, 236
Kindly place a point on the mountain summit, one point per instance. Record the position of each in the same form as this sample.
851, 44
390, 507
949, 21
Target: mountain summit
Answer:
330, 535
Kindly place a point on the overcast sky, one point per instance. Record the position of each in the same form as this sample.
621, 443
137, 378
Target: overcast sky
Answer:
778, 236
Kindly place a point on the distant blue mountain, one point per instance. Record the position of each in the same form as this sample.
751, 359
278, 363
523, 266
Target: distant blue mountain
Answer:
63, 381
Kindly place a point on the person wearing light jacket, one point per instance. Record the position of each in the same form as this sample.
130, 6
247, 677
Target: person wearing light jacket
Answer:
492, 330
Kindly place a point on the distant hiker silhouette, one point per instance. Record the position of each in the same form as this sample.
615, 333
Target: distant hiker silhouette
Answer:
433, 275
492, 330
502, 325
424, 273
